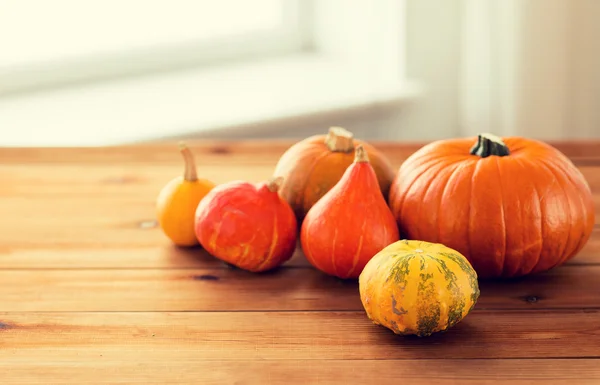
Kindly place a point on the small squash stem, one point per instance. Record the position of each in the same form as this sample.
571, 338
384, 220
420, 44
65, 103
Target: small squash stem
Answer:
275, 183
339, 139
189, 173
489, 144
360, 155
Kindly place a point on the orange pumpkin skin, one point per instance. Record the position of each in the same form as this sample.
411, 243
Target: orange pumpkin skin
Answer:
349, 225
524, 211
311, 167
247, 225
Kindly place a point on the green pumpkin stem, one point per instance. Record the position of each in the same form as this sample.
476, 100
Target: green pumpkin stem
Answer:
487, 145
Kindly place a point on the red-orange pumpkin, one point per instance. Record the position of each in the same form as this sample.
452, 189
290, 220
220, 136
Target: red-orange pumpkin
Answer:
350, 224
311, 167
247, 225
511, 206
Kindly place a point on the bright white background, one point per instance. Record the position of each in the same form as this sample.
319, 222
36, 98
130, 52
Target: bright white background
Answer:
96, 72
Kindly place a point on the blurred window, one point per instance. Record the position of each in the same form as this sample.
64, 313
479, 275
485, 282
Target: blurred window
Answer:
99, 72
57, 41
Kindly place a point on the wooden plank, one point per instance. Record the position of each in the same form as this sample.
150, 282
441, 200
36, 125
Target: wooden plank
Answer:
173, 290
227, 336
105, 206
165, 151
156, 253
111, 369
255, 152
128, 167
569, 287
76, 219
106, 256
152, 251
62, 217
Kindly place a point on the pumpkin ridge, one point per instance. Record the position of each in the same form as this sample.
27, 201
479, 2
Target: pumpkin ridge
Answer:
568, 168
333, 262
471, 273
469, 251
429, 183
457, 306
449, 275
542, 225
301, 201
422, 263
521, 270
399, 269
425, 167
565, 253
460, 166
246, 251
213, 241
505, 241
274, 240
307, 254
380, 289
247, 247
518, 252
358, 250
557, 180
428, 312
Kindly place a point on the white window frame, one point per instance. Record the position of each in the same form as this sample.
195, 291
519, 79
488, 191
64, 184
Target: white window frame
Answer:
292, 36
346, 67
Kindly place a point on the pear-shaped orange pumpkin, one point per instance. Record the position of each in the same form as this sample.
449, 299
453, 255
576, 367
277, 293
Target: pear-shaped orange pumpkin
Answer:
350, 223
312, 166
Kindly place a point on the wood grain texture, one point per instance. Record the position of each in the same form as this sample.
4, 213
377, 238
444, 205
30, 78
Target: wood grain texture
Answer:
92, 291
109, 370
292, 336
569, 287
157, 253
105, 216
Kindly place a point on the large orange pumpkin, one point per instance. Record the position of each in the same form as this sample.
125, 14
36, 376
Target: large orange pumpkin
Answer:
511, 206
311, 167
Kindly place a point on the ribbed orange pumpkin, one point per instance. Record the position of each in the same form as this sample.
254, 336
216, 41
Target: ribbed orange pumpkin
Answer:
512, 206
311, 167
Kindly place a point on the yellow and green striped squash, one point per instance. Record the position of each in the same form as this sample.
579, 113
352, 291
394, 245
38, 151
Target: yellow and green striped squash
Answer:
418, 288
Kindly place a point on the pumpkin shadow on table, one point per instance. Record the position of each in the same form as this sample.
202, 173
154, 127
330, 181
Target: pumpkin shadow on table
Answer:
190, 257
298, 279
197, 257
534, 291
510, 294
465, 337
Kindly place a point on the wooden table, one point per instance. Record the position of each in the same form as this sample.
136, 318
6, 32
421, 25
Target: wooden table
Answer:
92, 292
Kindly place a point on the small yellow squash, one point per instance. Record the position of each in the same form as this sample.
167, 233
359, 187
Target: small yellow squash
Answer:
177, 202
418, 288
